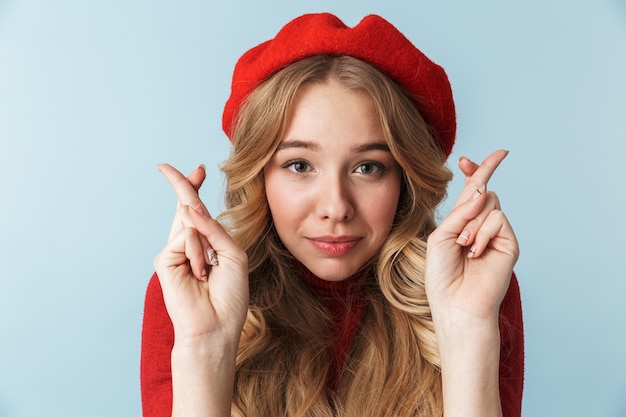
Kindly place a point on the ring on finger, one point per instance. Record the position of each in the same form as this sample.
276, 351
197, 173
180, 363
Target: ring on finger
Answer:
213, 257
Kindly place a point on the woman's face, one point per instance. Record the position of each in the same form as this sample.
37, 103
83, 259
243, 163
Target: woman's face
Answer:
332, 185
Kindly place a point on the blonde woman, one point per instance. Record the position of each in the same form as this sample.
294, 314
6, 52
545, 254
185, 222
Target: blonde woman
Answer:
326, 288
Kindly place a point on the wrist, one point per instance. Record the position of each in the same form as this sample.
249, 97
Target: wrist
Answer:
459, 332
204, 347
202, 377
469, 354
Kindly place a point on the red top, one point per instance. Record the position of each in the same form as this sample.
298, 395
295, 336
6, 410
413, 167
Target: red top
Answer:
158, 340
347, 302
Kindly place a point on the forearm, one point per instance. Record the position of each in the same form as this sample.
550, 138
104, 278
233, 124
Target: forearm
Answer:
470, 354
202, 379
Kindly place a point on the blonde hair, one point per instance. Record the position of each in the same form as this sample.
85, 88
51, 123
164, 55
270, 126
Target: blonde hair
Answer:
284, 357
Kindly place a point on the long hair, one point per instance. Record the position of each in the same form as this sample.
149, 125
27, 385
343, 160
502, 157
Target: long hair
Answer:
284, 358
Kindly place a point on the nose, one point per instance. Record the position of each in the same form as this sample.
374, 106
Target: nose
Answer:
334, 199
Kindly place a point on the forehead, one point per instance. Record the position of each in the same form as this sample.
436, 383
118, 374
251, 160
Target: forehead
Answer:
331, 111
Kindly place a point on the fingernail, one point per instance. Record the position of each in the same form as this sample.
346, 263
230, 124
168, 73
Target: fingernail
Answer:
159, 167
213, 257
204, 275
463, 237
479, 191
202, 166
471, 252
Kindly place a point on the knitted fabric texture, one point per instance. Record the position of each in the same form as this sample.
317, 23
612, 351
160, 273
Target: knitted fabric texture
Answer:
375, 41
158, 340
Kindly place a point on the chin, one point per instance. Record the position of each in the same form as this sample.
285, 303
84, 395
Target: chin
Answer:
333, 270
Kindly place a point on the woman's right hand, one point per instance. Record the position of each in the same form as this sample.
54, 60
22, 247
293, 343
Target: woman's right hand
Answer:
205, 302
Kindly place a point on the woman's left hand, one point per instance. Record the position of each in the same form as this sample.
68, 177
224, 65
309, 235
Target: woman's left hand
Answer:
470, 256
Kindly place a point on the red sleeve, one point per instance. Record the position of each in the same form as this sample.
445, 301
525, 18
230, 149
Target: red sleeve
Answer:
157, 340
511, 352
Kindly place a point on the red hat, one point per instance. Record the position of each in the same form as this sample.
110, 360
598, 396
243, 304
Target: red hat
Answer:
373, 40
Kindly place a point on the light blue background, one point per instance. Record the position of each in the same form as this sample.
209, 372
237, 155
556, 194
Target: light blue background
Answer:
93, 94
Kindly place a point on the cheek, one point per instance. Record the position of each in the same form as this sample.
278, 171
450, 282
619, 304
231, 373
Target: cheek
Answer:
386, 212
383, 212
277, 202
282, 204
273, 198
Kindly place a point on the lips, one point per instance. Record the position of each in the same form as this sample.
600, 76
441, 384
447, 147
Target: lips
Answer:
335, 246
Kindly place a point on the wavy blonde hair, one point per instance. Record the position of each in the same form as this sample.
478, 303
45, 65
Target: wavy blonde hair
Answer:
284, 357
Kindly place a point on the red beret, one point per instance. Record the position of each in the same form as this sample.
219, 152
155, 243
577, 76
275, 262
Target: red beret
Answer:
373, 40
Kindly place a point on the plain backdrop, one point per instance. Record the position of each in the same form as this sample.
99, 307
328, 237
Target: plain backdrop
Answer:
94, 94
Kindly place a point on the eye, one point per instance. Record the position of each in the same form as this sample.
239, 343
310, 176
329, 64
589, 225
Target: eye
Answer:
369, 168
296, 166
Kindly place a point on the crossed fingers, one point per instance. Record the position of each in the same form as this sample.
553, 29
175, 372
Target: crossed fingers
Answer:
474, 223
477, 176
186, 192
186, 189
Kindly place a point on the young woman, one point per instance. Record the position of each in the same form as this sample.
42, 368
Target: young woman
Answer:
326, 288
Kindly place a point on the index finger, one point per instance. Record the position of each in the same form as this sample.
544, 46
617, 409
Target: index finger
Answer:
185, 191
481, 175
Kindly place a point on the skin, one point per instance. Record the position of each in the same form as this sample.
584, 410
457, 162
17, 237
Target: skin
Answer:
207, 305
469, 264
333, 186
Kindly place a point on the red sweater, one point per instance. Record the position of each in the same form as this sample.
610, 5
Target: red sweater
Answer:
158, 339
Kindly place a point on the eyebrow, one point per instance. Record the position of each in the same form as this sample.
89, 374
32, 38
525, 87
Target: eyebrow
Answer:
302, 144
305, 144
372, 147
